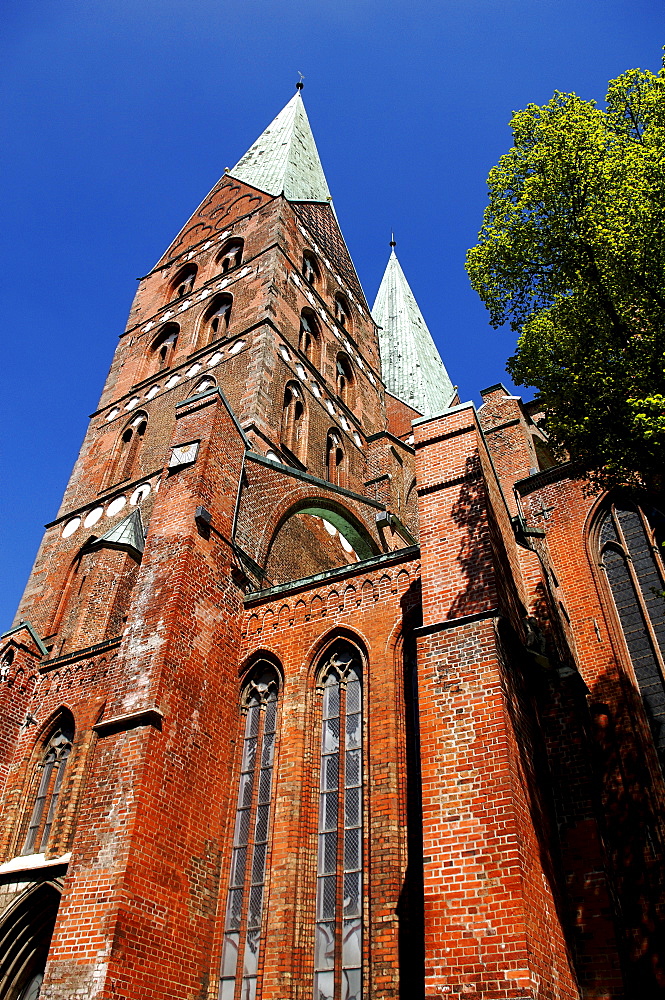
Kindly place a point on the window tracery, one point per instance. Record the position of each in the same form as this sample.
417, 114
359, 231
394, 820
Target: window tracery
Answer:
309, 338
334, 458
183, 282
164, 344
338, 943
240, 966
293, 412
631, 558
52, 768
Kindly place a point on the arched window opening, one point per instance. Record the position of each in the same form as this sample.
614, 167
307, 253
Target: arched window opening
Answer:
310, 268
51, 771
342, 311
338, 927
293, 424
164, 344
345, 380
244, 919
334, 458
25, 938
309, 339
183, 282
216, 319
130, 443
631, 558
231, 255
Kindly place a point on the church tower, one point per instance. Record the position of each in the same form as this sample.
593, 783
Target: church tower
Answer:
271, 711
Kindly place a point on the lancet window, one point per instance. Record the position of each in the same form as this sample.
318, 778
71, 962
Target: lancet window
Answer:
334, 458
216, 319
243, 926
293, 411
632, 562
338, 935
51, 772
231, 255
342, 312
344, 374
128, 449
183, 282
309, 338
310, 268
163, 346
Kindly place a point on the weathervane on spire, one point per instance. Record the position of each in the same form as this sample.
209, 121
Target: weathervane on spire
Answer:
392, 240
300, 83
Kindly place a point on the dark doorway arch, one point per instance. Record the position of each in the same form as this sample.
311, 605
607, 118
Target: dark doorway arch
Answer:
25, 938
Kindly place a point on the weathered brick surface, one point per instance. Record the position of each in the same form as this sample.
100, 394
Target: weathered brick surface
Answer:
513, 823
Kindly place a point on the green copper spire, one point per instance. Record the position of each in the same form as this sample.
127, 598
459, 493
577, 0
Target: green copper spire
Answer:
284, 159
410, 363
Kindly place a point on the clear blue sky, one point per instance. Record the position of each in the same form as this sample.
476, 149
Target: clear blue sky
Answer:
120, 115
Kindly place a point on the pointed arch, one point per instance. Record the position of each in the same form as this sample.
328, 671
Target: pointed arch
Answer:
46, 783
343, 311
338, 920
183, 283
293, 428
25, 937
335, 458
215, 320
245, 902
309, 337
230, 255
627, 551
345, 379
126, 451
163, 346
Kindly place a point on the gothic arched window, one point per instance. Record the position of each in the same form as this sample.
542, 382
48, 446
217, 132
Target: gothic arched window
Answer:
231, 255
216, 319
128, 448
344, 376
51, 772
334, 458
339, 892
631, 559
309, 339
310, 268
183, 282
293, 412
342, 311
163, 346
245, 898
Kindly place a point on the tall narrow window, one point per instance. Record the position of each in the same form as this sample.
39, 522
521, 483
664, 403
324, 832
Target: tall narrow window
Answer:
309, 339
334, 459
293, 411
183, 282
342, 311
163, 346
216, 319
338, 929
52, 770
128, 449
240, 967
344, 374
310, 268
231, 255
631, 558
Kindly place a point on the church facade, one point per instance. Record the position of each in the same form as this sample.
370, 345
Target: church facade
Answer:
326, 685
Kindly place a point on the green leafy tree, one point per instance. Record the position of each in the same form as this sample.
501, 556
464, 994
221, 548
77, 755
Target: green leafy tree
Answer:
572, 255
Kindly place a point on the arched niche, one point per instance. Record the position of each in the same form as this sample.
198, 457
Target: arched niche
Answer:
315, 536
25, 937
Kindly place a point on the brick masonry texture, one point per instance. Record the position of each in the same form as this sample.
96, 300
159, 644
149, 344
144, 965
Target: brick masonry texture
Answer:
513, 798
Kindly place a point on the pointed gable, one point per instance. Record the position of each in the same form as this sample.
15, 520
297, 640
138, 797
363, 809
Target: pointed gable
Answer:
411, 366
284, 159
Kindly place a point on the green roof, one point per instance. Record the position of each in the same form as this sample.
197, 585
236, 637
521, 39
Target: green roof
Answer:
284, 159
410, 363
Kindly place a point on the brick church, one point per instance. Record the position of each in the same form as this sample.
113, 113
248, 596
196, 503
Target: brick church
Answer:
326, 685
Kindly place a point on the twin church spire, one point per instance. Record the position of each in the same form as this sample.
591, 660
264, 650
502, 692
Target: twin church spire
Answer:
285, 160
